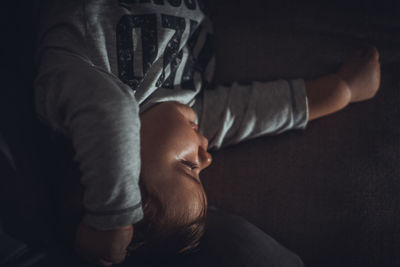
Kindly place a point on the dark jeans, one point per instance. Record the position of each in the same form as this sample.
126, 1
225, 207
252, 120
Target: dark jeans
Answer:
230, 241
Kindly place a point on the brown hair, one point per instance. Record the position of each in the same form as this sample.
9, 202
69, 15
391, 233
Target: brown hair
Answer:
160, 233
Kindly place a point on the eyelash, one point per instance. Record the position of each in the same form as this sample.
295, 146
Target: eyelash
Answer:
190, 164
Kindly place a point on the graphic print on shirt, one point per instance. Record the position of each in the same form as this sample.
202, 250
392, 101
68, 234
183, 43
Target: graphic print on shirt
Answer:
172, 56
136, 48
181, 55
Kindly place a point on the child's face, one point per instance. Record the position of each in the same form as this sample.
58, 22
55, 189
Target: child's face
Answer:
173, 154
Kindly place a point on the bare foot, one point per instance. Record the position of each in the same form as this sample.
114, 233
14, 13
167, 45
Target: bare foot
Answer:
362, 73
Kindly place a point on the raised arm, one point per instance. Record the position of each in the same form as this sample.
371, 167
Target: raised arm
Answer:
100, 115
229, 115
232, 114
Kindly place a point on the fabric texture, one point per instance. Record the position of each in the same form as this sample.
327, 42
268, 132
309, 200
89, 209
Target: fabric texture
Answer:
102, 63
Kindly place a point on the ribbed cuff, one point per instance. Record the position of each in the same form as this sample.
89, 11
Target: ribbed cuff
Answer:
299, 103
114, 219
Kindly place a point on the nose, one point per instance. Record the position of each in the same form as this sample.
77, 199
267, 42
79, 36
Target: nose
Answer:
203, 142
205, 158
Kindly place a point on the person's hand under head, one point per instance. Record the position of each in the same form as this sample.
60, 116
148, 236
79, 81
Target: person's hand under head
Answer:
358, 79
173, 153
103, 247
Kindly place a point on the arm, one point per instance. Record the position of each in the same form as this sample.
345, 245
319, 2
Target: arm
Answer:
100, 115
326, 95
230, 115
233, 114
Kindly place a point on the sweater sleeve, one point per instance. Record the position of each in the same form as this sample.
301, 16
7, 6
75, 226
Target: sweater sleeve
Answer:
101, 116
228, 115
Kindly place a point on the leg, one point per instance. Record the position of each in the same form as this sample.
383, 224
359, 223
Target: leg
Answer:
230, 241
236, 242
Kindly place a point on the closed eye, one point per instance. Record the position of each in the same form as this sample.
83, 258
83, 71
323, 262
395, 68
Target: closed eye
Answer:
190, 164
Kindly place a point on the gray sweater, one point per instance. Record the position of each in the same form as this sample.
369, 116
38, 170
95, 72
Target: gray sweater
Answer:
103, 62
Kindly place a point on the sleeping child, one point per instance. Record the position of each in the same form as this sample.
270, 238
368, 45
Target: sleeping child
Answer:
128, 83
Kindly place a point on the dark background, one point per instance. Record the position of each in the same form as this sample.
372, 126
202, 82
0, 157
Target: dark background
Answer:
329, 193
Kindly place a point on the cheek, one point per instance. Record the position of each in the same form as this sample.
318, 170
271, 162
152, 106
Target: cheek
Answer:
159, 141
179, 139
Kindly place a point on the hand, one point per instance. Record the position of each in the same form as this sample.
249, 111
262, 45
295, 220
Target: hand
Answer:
358, 79
362, 73
103, 247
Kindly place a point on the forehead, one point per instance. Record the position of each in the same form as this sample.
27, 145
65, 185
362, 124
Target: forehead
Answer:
185, 110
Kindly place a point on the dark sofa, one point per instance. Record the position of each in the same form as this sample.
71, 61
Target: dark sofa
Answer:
329, 193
